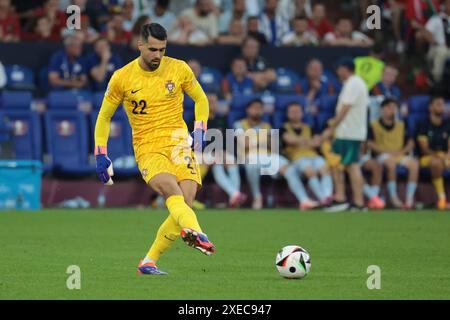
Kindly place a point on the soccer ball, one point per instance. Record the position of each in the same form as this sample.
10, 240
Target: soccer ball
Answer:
293, 262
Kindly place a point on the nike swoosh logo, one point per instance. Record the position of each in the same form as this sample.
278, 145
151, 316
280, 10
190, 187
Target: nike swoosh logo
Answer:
168, 238
134, 91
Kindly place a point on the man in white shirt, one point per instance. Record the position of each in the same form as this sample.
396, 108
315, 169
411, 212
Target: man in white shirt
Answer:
350, 129
438, 35
272, 23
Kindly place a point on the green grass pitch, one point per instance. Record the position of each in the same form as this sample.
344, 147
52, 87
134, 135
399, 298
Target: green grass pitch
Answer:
411, 248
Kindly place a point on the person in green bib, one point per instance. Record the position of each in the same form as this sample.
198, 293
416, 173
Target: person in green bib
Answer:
370, 68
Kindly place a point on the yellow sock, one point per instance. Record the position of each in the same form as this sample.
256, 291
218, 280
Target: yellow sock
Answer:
182, 214
439, 186
203, 170
168, 232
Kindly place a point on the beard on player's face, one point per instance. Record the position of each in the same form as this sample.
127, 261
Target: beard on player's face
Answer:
152, 64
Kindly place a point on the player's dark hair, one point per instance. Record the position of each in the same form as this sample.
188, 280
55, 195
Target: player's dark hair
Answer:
388, 101
435, 97
155, 30
252, 18
99, 39
163, 3
238, 58
347, 62
378, 49
300, 17
251, 102
294, 103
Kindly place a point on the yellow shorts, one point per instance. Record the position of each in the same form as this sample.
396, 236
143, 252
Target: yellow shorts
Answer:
185, 167
425, 160
333, 160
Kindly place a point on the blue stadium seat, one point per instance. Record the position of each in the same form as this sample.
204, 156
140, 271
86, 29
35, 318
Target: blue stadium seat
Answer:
19, 78
188, 103
287, 81
327, 104
43, 83
412, 121
189, 117
211, 79
119, 142
58, 100
27, 133
66, 133
418, 104
67, 99
239, 102
279, 118
321, 121
13, 100
282, 101
97, 100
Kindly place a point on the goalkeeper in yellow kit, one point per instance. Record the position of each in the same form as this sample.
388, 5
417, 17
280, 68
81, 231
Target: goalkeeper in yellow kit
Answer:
151, 89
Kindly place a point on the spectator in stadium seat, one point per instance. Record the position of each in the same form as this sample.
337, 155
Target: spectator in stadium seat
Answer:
389, 140
433, 138
344, 35
316, 85
237, 81
272, 24
161, 14
295, 8
56, 17
195, 66
258, 68
387, 87
417, 13
136, 31
300, 149
115, 31
203, 18
128, 15
254, 141
9, 23
319, 21
253, 30
38, 29
237, 13
101, 64
235, 35
438, 36
395, 10
99, 12
300, 35
67, 69
90, 34
224, 168
186, 32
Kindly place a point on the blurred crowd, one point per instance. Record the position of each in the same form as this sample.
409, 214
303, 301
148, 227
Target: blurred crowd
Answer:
195, 22
409, 28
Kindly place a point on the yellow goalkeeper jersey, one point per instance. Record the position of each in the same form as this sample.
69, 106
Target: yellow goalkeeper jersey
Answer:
153, 101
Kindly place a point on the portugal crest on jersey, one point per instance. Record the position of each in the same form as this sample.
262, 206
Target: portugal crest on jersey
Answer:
170, 87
